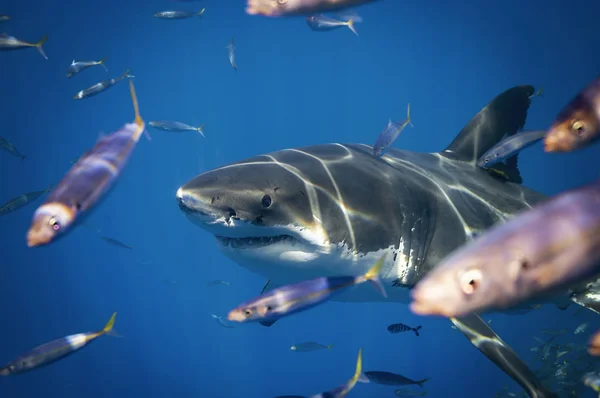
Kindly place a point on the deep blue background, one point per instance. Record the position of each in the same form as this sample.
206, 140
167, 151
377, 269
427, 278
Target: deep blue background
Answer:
294, 87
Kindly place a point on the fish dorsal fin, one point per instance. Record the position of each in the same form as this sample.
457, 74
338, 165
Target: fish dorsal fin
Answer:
504, 115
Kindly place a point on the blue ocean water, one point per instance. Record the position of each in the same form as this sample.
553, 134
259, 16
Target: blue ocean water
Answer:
294, 87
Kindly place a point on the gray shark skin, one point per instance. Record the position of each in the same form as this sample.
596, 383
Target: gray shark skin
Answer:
334, 209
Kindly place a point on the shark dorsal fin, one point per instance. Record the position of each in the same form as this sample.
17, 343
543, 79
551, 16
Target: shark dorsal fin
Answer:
503, 116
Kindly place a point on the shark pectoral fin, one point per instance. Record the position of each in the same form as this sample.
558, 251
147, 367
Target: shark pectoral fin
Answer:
488, 342
504, 115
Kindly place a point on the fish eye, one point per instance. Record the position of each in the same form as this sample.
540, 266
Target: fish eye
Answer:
11, 368
578, 127
470, 281
266, 201
53, 222
248, 312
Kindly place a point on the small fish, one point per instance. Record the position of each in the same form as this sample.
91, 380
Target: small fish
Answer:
9, 43
538, 93
281, 8
4, 18
546, 248
581, 328
222, 322
99, 87
310, 346
176, 127
554, 332
578, 124
400, 327
83, 186
323, 23
10, 148
115, 242
509, 147
231, 50
345, 388
20, 201
54, 350
178, 14
405, 392
592, 380
390, 133
78, 66
389, 379
218, 282
266, 285
301, 296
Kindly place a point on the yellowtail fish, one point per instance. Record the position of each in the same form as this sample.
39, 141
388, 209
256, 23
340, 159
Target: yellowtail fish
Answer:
323, 23
54, 350
282, 8
290, 299
345, 388
176, 127
115, 242
231, 50
20, 201
578, 124
87, 181
390, 133
103, 85
178, 14
9, 43
78, 66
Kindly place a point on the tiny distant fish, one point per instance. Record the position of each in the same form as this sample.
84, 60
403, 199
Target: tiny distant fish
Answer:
554, 332
578, 124
389, 379
4, 18
323, 23
231, 50
222, 322
84, 185
301, 296
176, 127
390, 133
509, 147
404, 392
115, 242
538, 93
310, 346
178, 14
265, 286
22, 200
78, 66
581, 328
281, 8
10, 148
99, 87
9, 43
400, 327
54, 350
218, 282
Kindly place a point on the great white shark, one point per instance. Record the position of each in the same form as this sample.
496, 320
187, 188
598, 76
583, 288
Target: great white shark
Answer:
334, 209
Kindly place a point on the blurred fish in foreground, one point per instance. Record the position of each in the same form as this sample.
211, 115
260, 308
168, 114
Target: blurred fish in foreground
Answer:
578, 124
178, 14
176, 127
54, 350
550, 247
301, 296
10, 148
103, 85
390, 133
323, 23
9, 43
78, 66
21, 200
87, 181
280, 8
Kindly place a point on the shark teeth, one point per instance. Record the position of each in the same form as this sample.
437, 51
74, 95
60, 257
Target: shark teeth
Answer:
258, 241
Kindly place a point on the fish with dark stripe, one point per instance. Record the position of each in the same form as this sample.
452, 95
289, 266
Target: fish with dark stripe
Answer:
400, 327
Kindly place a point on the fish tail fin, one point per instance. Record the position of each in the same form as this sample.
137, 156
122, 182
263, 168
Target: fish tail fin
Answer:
362, 378
329, 347
350, 24
101, 63
201, 12
201, 130
110, 324
39, 47
358, 370
416, 330
128, 74
408, 116
421, 382
23, 157
540, 92
138, 118
373, 275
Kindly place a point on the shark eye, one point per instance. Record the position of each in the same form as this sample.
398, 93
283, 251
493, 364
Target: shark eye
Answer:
266, 201
53, 222
248, 312
578, 127
470, 281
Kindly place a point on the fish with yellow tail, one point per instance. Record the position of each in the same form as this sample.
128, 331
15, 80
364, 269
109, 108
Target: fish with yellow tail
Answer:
87, 181
301, 296
322, 23
9, 43
55, 350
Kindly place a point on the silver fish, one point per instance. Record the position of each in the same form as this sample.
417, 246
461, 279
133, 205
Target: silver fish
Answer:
404, 392
87, 181
22, 200
389, 379
99, 87
509, 147
390, 133
116, 243
581, 328
78, 66
310, 346
8, 43
231, 50
177, 127
222, 321
10, 148
281, 8
178, 14
4, 18
322, 23
218, 282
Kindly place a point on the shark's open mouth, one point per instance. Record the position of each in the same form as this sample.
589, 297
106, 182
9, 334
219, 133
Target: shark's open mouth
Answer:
255, 242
